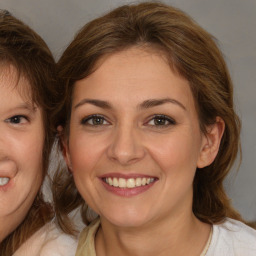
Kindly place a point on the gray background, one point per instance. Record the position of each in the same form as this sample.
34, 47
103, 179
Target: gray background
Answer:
232, 22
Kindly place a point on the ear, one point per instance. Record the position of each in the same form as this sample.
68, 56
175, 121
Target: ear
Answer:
211, 143
64, 147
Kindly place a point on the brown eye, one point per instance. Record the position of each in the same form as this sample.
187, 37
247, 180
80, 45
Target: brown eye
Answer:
97, 121
94, 120
18, 119
161, 120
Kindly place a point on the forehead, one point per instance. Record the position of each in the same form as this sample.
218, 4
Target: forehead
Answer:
15, 80
136, 72
136, 52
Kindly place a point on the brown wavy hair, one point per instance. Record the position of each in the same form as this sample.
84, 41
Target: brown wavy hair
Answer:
194, 54
26, 51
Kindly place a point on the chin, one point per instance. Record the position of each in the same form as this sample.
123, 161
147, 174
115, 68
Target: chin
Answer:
131, 219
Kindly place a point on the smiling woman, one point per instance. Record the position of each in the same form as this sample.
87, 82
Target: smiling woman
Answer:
27, 92
132, 139
148, 131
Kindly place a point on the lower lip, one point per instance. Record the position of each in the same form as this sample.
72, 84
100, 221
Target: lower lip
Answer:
7, 186
127, 192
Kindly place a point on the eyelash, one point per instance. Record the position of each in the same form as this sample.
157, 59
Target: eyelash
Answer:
101, 119
161, 118
86, 120
17, 119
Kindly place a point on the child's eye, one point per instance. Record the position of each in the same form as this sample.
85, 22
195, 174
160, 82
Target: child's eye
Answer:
95, 120
18, 119
161, 120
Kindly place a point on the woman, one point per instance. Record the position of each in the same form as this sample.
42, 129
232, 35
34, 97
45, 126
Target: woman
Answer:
148, 132
27, 91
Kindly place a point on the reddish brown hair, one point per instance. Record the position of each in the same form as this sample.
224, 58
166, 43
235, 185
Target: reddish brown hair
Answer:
193, 53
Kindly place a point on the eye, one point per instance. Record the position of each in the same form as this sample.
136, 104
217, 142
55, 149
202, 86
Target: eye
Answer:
161, 120
94, 120
18, 119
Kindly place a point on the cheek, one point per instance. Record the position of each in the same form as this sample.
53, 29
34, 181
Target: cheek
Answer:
27, 148
176, 153
31, 160
84, 152
176, 158
26, 153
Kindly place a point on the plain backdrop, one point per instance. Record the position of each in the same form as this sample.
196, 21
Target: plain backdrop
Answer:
232, 22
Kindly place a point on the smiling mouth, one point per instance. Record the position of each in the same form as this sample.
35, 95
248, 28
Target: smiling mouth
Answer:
128, 183
4, 181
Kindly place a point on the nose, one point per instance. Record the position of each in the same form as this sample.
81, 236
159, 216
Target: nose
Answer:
126, 146
2, 147
5, 143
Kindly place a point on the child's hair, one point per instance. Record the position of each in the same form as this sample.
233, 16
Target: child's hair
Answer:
193, 53
25, 50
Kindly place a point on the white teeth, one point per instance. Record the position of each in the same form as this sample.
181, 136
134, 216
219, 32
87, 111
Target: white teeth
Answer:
122, 183
115, 182
138, 182
4, 181
128, 183
110, 182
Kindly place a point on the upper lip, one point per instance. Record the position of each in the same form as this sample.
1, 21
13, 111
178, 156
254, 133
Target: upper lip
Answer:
126, 176
7, 169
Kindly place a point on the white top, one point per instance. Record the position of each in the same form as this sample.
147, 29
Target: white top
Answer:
48, 241
232, 238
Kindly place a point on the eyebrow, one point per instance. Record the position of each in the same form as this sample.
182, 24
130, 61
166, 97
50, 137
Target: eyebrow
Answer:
97, 103
144, 105
156, 102
26, 106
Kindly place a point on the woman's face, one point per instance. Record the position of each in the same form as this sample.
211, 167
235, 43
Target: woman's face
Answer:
21, 145
134, 142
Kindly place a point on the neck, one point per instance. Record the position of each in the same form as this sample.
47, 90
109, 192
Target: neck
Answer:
170, 236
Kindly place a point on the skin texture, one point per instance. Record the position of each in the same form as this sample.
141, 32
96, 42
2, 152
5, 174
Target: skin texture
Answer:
127, 140
21, 145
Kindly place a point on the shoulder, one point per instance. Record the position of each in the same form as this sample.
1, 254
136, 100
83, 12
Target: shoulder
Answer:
86, 239
58, 243
49, 241
233, 237
238, 231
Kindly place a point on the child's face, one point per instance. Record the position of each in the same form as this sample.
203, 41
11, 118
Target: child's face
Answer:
135, 142
21, 146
